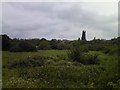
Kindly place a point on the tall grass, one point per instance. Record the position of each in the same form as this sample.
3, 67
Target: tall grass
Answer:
54, 70
76, 54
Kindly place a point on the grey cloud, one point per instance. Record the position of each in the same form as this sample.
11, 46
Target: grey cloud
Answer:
56, 20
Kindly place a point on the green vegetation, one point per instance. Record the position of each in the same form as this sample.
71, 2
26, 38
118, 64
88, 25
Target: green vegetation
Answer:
6, 42
23, 46
44, 45
53, 69
76, 54
41, 63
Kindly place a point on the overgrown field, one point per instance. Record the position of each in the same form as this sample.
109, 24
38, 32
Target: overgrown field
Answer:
53, 69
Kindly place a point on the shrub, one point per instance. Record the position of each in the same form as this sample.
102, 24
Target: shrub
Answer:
75, 54
16, 49
6, 42
27, 46
90, 58
114, 50
23, 46
85, 48
44, 45
28, 62
106, 50
61, 46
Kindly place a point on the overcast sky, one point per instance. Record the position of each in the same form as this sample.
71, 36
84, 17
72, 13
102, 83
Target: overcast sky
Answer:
60, 20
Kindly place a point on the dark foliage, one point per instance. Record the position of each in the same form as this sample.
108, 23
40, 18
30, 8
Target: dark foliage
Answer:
6, 42
105, 46
86, 59
75, 54
23, 46
28, 62
16, 49
44, 45
90, 59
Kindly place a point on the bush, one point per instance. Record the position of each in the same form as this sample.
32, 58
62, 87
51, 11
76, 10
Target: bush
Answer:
28, 62
6, 42
44, 45
75, 54
61, 46
106, 50
23, 46
90, 58
16, 49
114, 50
26, 46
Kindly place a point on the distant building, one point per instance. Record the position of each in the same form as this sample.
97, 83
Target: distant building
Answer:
94, 38
83, 38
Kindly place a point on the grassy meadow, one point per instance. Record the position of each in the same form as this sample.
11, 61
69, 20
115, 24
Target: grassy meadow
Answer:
65, 45
53, 69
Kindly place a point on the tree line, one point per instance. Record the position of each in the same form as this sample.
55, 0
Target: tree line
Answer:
27, 45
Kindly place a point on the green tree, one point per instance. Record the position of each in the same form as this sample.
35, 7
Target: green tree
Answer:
61, 46
6, 42
44, 45
54, 44
23, 46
